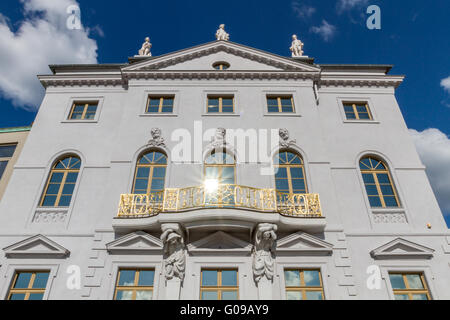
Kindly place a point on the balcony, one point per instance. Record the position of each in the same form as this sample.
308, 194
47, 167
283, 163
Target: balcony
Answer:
227, 207
221, 196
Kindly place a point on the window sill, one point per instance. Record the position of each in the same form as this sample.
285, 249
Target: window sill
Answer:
220, 115
144, 115
362, 121
388, 210
282, 114
79, 121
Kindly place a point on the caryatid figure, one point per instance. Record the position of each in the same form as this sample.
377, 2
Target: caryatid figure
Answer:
221, 34
146, 46
297, 47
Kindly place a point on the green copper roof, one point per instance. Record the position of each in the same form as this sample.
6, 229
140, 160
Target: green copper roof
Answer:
15, 129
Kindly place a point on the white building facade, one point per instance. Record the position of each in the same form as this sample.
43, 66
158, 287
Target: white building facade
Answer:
135, 183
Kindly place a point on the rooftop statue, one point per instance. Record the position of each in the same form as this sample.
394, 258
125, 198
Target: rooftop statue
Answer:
221, 34
297, 47
146, 46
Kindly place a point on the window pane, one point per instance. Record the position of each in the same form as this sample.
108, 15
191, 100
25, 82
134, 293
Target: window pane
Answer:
3, 165
167, 109
126, 277
144, 295
365, 164
383, 178
124, 295
168, 102
159, 172
153, 109
372, 190
157, 184
387, 190
141, 184
36, 296
292, 278
273, 109
209, 278
368, 178
287, 109
227, 102
282, 184
143, 172
414, 281
229, 295
401, 297
57, 177
314, 295
375, 202
227, 109
49, 201
72, 177
281, 173
23, 280
146, 278
53, 188
272, 102
229, 278
391, 202
312, 278
298, 185
364, 116
64, 201
40, 281
210, 295
17, 296
68, 188
296, 173
7, 151
419, 297
397, 281
350, 116
294, 295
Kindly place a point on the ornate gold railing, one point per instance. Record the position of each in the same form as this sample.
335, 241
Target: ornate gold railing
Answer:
225, 196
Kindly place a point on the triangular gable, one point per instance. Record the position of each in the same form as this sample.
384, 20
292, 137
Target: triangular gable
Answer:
304, 244
38, 246
137, 242
256, 56
219, 242
402, 249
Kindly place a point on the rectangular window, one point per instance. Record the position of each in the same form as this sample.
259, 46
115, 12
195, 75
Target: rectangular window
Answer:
219, 285
135, 284
160, 104
29, 285
83, 110
357, 111
6, 153
280, 104
303, 284
220, 104
409, 286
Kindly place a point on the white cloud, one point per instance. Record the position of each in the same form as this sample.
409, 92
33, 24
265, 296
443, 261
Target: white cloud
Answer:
434, 150
326, 30
301, 10
41, 39
445, 83
344, 5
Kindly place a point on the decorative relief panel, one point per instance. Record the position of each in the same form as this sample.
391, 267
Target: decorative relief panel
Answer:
397, 217
50, 216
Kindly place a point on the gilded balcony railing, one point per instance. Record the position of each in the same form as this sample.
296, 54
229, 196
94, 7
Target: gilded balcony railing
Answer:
224, 196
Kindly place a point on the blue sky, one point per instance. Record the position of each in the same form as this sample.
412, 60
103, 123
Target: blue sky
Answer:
413, 37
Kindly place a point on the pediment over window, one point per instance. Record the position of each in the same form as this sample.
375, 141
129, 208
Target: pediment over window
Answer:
304, 244
220, 242
38, 246
203, 57
135, 243
402, 249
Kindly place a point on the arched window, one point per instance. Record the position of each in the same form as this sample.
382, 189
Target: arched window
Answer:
377, 179
61, 182
150, 173
220, 166
290, 173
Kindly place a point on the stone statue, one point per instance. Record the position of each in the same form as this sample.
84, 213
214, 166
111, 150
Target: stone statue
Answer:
297, 47
146, 46
218, 140
221, 34
264, 251
157, 140
174, 252
284, 138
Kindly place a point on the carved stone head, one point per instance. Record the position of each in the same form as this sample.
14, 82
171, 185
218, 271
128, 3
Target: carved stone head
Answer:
156, 133
284, 134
